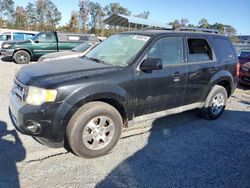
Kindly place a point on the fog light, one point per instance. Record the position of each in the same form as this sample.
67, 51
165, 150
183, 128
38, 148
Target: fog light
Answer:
32, 127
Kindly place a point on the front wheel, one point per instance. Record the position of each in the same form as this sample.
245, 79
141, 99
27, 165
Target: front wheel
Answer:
21, 57
94, 130
215, 103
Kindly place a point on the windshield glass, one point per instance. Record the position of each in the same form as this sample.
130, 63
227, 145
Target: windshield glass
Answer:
118, 50
82, 47
3, 37
245, 54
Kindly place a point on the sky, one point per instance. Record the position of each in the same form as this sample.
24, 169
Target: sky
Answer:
231, 12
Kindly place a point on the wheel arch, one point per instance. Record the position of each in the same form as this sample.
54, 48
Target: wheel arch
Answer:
24, 49
223, 78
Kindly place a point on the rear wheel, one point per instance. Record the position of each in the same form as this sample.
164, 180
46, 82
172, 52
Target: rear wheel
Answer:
215, 103
21, 57
94, 130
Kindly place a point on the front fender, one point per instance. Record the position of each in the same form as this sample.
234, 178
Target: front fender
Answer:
98, 91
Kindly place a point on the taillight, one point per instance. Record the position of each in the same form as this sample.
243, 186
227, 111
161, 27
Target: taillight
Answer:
238, 69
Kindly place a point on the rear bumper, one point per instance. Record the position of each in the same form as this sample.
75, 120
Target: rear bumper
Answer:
7, 52
50, 118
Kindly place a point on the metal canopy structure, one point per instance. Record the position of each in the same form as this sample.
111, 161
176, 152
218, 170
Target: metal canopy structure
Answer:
134, 22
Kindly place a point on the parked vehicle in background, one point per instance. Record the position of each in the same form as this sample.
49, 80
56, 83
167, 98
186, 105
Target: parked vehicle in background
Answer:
244, 59
78, 51
128, 78
244, 56
43, 43
17, 36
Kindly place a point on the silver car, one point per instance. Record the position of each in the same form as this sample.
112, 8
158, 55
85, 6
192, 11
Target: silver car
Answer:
78, 51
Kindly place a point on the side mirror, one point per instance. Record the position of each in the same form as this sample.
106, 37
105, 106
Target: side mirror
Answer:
151, 64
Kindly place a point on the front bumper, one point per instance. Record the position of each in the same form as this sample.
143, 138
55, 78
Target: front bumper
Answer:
244, 77
50, 117
7, 52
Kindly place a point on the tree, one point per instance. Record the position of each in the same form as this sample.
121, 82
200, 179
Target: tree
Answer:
143, 15
48, 15
203, 23
31, 15
96, 13
175, 24
7, 11
74, 22
84, 13
53, 15
116, 8
219, 27
20, 18
184, 22
229, 30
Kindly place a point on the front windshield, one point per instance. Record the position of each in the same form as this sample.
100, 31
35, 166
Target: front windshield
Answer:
118, 50
82, 47
3, 37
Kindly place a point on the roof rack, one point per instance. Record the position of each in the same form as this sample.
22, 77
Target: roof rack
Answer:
196, 29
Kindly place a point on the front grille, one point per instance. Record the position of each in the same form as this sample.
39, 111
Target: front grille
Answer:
18, 90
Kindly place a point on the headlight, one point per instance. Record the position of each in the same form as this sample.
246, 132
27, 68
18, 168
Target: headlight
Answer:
37, 96
6, 45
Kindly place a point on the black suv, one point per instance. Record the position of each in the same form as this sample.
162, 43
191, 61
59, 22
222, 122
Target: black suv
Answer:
130, 77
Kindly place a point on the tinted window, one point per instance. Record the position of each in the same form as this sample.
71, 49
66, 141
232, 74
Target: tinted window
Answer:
224, 49
168, 49
199, 50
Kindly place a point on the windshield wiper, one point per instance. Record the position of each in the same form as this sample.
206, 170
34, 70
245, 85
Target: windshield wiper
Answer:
95, 59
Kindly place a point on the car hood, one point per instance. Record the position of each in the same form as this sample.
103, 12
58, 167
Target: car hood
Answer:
19, 42
60, 72
61, 55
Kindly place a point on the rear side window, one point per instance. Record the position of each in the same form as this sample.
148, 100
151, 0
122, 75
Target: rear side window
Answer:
199, 50
224, 49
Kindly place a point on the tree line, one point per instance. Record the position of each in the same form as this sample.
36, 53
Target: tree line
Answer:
43, 15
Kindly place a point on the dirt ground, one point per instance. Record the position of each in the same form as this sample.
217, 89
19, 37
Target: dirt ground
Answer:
176, 151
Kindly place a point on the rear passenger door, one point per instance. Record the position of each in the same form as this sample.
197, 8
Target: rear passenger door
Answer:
161, 89
202, 65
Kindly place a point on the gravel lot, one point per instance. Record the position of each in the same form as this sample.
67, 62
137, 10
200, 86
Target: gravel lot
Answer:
177, 151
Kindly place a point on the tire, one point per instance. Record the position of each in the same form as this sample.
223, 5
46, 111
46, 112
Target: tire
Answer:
215, 103
94, 130
21, 57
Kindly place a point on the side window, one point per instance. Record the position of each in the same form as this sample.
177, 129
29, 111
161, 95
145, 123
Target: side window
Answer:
46, 38
18, 36
199, 50
168, 49
224, 49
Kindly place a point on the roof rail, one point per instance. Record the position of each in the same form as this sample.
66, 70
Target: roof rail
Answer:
196, 29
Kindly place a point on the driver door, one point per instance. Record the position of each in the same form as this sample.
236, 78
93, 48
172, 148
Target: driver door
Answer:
163, 89
45, 43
